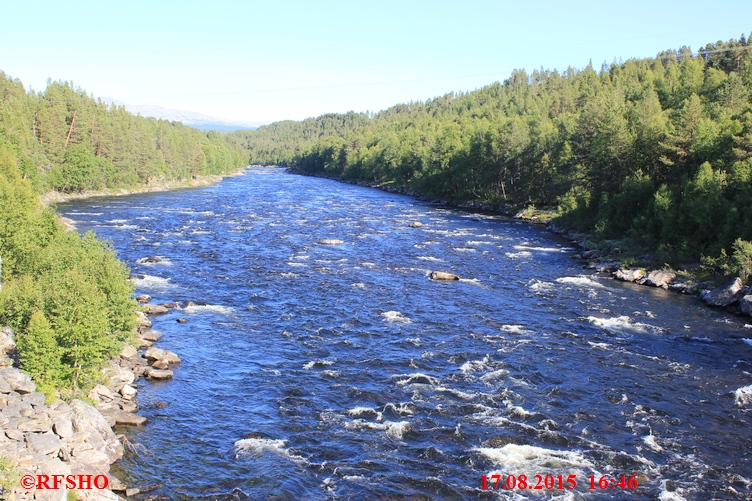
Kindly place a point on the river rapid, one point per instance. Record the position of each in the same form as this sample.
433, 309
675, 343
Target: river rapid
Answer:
318, 372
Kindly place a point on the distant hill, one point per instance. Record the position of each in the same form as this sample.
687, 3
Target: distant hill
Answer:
190, 118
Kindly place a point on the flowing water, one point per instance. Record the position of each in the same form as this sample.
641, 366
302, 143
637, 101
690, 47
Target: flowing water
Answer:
316, 371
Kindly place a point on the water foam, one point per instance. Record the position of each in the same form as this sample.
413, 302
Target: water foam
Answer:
523, 459
396, 317
622, 324
209, 308
743, 396
317, 363
150, 282
581, 281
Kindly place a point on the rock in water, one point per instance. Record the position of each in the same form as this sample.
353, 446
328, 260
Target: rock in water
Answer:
745, 304
416, 224
160, 354
330, 241
723, 295
155, 309
442, 276
659, 278
630, 275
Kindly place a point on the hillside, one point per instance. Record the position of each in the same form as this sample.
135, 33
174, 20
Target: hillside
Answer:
658, 150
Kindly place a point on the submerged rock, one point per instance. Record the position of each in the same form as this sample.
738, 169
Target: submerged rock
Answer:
443, 276
723, 295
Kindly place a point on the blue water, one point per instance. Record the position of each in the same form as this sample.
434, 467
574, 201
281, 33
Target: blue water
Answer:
342, 372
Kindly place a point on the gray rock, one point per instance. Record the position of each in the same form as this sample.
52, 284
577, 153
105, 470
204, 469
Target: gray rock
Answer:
11, 411
331, 241
155, 309
128, 392
4, 386
723, 295
93, 457
160, 354
15, 435
143, 298
658, 278
87, 419
37, 424
629, 275
443, 276
160, 364
46, 444
101, 392
745, 304
157, 374
63, 427
36, 399
18, 381
416, 224
143, 321
150, 335
127, 418
54, 466
129, 352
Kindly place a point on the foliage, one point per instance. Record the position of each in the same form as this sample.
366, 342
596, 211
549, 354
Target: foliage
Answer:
657, 149
67, 141
67, 297
9, 476
742, 259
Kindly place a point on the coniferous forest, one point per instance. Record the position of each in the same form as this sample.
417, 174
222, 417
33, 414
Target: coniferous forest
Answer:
68, 297
658, 150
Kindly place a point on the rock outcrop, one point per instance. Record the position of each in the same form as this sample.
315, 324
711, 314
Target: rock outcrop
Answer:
723, 295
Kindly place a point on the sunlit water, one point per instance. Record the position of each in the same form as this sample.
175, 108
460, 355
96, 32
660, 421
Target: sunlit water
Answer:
342, 372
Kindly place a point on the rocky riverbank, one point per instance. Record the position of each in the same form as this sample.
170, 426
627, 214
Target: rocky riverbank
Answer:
732, 295
76, 437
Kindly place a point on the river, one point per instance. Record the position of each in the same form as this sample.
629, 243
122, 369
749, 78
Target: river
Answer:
318, 371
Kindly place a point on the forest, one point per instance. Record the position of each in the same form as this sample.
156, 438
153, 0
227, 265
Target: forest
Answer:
67, 297
657, 151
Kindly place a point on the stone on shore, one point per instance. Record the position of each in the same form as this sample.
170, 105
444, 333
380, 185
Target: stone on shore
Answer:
155, 309
150, 335
443, 276
153, 373
745, 304
143, 298
129, 419
129, 352
160, 354
723, 295
19, 382
629, 275
658, 278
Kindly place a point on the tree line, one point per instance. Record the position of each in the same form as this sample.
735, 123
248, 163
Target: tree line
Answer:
658, 150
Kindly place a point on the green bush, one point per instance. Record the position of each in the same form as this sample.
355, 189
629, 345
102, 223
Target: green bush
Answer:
741, 259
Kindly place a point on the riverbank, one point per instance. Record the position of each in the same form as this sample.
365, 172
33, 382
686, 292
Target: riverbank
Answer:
732, 295
54, 197
77, 439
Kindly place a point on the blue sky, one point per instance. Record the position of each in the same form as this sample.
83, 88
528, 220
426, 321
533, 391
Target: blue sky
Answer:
275, 60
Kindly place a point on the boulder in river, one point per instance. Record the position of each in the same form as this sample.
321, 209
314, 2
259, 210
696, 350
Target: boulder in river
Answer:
160, 354
416, 224
658, 278
150, 335
331, 241
629, 275
443, 276
723, 295
152, 259
745, 304
152, 373
155, 309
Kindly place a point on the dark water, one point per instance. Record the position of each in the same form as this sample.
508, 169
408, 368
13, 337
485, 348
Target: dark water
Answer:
343, 372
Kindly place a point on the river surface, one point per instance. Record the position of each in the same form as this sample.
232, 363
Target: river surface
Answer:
318, 372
